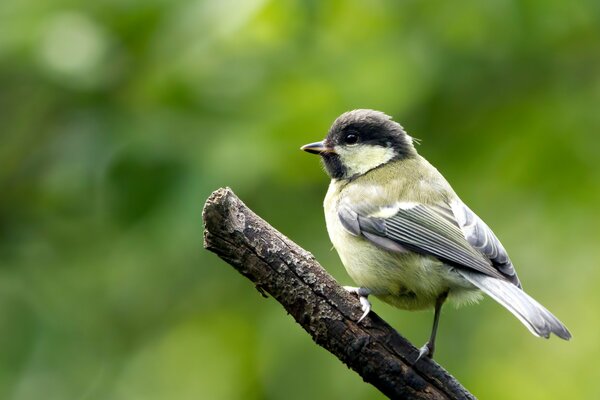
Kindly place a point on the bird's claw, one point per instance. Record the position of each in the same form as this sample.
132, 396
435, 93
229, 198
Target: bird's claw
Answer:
365, 304
424, 351
363, 294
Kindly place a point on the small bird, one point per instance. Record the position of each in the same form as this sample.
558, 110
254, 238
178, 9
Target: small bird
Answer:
404, 235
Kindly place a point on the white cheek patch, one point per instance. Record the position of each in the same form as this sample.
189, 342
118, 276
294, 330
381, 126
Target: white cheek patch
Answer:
362, 158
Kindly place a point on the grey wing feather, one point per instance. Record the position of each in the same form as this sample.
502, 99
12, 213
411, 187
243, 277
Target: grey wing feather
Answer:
481, 237
349, 220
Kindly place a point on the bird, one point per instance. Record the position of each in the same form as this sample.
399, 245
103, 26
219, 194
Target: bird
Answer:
404, 235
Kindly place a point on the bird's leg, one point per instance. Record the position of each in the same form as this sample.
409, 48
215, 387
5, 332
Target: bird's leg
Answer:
363, 294
429, 347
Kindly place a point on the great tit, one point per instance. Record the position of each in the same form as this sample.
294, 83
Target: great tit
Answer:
404, 235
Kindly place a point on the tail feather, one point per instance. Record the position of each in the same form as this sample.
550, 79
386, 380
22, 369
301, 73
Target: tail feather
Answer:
532, 314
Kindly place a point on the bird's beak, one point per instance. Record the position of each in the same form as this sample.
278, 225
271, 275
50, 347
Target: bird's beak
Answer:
317, 148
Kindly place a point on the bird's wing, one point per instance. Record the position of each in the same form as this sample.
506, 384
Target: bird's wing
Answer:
481, 237
432, 230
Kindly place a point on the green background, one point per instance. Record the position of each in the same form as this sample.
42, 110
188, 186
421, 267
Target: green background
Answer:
118, 118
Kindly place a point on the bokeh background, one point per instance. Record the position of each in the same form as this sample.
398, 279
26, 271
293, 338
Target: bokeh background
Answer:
119, 117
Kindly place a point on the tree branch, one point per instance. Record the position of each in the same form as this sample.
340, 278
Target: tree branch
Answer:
324, 309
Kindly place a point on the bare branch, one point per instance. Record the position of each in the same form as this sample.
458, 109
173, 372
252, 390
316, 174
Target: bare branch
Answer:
290, 274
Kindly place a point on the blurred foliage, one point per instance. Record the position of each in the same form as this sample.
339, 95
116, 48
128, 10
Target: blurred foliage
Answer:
118, 118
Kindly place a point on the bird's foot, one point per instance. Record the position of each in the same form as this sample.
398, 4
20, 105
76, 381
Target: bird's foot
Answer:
363, 294
425, 351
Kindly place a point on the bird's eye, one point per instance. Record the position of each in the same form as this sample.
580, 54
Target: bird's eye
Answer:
351, 138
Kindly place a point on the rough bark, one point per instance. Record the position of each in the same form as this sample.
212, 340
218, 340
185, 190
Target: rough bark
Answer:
290, 274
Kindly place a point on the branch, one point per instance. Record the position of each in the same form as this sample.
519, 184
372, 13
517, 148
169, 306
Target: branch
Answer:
324, 309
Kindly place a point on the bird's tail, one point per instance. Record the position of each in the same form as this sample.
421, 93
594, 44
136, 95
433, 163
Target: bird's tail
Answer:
532, 314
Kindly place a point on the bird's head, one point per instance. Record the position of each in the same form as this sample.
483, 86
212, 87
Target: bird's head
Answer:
359, 141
